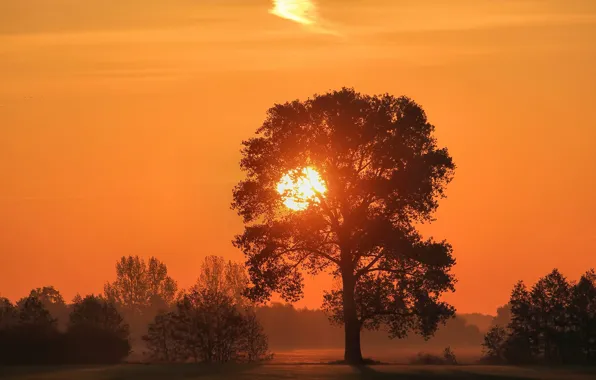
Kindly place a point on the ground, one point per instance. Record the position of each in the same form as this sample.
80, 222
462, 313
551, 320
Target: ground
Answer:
291, 371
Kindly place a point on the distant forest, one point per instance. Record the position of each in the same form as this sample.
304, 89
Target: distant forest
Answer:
311, 329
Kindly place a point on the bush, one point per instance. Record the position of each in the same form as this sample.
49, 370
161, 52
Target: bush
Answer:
209, 327
93, 345
424, 358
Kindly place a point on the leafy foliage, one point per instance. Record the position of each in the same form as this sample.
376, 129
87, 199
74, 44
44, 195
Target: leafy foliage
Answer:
97, 332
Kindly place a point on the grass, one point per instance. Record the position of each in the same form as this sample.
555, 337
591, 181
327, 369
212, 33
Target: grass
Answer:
292, 371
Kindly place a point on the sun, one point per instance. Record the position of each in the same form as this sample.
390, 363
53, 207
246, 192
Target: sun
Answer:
299, 188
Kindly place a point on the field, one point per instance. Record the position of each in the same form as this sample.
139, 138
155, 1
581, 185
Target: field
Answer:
291, 371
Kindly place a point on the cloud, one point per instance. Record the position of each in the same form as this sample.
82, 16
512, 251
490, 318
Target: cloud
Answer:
303, 12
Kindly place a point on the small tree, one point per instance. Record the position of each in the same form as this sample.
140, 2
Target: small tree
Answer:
449, 356
161, 339
254, 345
494, 345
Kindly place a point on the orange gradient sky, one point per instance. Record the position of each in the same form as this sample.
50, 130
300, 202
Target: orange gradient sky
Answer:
121, 123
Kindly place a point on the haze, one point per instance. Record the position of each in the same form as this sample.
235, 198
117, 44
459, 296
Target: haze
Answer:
121, 123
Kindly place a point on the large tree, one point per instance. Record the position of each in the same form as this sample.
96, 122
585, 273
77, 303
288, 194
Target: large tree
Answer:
383, 173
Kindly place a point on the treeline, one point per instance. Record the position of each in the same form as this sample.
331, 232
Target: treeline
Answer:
143, 313
311, 329
211, 322
95, 331
553, 322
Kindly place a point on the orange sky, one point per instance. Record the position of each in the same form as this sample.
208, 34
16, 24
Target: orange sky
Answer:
121, 123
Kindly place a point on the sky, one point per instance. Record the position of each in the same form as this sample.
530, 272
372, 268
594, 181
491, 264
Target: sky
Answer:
121, 123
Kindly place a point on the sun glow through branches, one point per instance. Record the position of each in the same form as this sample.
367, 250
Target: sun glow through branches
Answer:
298, 188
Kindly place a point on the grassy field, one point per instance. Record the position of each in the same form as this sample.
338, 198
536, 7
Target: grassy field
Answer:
291, 371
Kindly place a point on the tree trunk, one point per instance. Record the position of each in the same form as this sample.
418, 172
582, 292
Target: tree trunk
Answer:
352, 353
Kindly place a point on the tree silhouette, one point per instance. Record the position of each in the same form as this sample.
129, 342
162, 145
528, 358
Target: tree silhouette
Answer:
583, 316
494, 344
29, 335
553, 322
53, 301
32, 312
97, 333
162, 342
384, 173
8, 314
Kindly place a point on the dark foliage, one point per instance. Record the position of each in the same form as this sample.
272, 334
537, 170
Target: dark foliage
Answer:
424, 358
554, 322
97, 333
54, 303
29, 335
384, 173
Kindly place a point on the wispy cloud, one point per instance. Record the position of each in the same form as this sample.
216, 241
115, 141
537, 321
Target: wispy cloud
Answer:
303, 12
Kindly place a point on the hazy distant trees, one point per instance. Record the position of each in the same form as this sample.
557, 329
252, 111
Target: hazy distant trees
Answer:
142, 289
140, 285
552, 322
384, 173
503, 316
212, 323
381, 303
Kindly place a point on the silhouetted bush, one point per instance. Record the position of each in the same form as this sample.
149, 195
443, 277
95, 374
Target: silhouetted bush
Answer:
424, 358
96, 333
28, 334
212, 322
